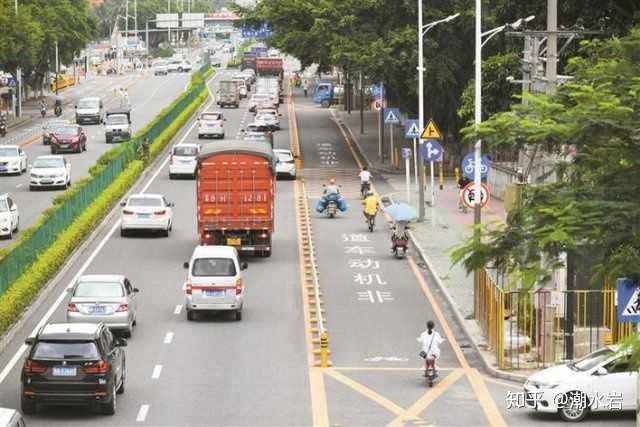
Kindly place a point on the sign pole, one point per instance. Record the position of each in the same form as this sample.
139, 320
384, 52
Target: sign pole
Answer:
407, 167
433, 195
415, 163
392, 154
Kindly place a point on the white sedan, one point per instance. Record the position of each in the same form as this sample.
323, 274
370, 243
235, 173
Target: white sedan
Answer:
13, 159
211, 123
600, 381
184, 160
9, 216
146, 212
285, 163
50, 171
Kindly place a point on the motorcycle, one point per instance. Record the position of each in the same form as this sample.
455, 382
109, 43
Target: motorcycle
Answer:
3, 128
364, 189
43, 111
332, 206
400, 245
58, 110
371, 221
430, 371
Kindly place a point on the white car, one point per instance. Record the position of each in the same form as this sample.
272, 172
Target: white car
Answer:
600, 381
13, 159
268, 119
160, 68
179, 65
50, 171
9, 216
184, 160
211, 123
146, 212
285, 163
260, 99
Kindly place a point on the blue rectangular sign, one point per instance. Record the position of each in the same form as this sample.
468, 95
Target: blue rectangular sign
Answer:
411, 129
628, 300
263, 31
391, 116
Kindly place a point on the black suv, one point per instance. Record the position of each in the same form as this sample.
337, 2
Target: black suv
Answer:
73, 363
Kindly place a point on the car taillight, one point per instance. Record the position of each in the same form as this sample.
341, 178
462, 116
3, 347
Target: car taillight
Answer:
162, 212
122, 307
238, 286
100, 367
72, 307
31, 367
188, 289
127, 212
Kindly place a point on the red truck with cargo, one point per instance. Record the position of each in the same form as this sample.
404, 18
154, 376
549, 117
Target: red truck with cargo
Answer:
235, 195
266, 66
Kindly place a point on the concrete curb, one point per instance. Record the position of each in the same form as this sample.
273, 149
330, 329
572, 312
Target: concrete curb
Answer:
487, 364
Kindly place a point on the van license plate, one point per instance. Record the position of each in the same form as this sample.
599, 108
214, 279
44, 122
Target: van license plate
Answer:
213, 293
234, 241
64, 371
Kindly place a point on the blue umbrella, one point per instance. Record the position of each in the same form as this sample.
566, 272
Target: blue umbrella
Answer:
401, 212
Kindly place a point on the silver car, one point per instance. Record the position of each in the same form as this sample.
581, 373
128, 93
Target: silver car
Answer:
104, 298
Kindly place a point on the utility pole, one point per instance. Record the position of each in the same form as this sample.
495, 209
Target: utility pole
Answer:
477, 176
19, 78
135, 20
361, 105
57, 67
126, 22
552, 46
420, 111
169, 24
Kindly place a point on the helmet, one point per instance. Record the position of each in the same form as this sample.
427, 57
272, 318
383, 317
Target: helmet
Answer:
332, 181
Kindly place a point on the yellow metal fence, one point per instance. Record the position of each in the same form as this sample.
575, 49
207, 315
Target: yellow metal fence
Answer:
529, 329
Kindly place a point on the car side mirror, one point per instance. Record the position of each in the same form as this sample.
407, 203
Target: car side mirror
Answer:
29, 341
600, 371
123, 204
185, 265
136, 290
171, 204
13, 208
120, 342
244, 266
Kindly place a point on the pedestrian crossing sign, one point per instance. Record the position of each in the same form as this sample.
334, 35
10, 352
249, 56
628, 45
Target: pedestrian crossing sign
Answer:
628, 293
391, 116
431, 131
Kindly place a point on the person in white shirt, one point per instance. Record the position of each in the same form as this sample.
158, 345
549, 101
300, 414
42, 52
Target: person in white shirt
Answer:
365, 179
430, 341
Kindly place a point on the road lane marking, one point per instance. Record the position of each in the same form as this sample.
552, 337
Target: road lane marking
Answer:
319, 409
23, 348
428, 398
178, 309
479, 387
157, 370
168, 338
142, 413
19, 185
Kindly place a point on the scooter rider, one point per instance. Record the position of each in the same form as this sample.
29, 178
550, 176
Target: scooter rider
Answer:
365, 180
399, 233
57, 105
331, 188
43, 106
371, 205
430, 341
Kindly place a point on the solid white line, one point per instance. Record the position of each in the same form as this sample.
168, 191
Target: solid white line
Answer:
168, 338
156, 372
142, 413
23, 348
178, 309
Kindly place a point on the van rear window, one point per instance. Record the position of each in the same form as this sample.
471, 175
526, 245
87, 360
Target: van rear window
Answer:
213, 267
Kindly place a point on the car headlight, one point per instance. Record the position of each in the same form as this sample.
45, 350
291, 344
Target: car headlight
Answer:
33, 175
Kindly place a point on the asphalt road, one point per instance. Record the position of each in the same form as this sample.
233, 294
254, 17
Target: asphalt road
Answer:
148, 95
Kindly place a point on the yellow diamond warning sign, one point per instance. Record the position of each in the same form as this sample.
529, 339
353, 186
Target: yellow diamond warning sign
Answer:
431, 131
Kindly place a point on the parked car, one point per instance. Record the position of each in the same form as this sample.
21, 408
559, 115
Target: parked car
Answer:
104, 298
70, 138
49, 127
9, 216
50, 171
89, 110
211, 123
13, 159
285, 163
11, 418
575, 389
146, 212
214, 281
160, 68
184, 160
73, 363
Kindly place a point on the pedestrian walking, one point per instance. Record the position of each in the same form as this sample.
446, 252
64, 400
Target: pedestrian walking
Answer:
305, 87
126, 97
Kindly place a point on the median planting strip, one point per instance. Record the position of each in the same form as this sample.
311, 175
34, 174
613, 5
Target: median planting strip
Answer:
37, 254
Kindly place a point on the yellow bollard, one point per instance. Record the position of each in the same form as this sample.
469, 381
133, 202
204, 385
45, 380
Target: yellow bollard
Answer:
324, 350
441, 175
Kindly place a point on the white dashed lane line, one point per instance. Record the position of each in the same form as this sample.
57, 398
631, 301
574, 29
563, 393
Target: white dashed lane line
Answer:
142, 413
157, 370
168, 338
178, 309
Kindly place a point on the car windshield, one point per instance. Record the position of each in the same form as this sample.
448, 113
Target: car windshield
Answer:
98, 289
145, 201
4, 206
8, 151
65, 350
284, 157
117, 119
66, 130
592, 360
48, 163
211, 117
213, 267
185, 151
88, 103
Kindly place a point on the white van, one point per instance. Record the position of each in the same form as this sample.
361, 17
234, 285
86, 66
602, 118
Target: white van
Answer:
89, 110
214, 281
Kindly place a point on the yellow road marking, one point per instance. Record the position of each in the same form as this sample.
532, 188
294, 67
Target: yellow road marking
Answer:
429, 397
319, 409
382, 368
479, 387
367, 392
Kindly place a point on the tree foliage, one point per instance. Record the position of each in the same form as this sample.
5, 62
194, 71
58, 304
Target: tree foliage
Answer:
591, 123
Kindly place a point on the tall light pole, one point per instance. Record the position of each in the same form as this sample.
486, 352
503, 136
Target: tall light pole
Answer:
19, 78
422, 30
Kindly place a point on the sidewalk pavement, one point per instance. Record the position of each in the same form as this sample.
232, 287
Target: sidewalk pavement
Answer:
435, 238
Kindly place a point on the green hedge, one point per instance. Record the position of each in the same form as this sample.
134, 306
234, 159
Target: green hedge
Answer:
26, 287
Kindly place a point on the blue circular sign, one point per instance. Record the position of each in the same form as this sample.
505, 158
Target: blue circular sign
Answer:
469, 164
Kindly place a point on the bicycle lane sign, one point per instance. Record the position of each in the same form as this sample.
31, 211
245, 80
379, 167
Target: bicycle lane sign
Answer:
469, 162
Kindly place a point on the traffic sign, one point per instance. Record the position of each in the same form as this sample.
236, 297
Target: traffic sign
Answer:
628, 300
469, 162
377, 91
11, 82
431, 150
377, 105
391, 116
411, 129
468, 195
406, 153
431, 131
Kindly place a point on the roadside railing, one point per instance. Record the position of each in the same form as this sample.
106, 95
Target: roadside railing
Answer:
532, 329
17, 258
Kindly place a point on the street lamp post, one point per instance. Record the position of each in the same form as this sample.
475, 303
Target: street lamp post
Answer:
422, 30
19, 78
